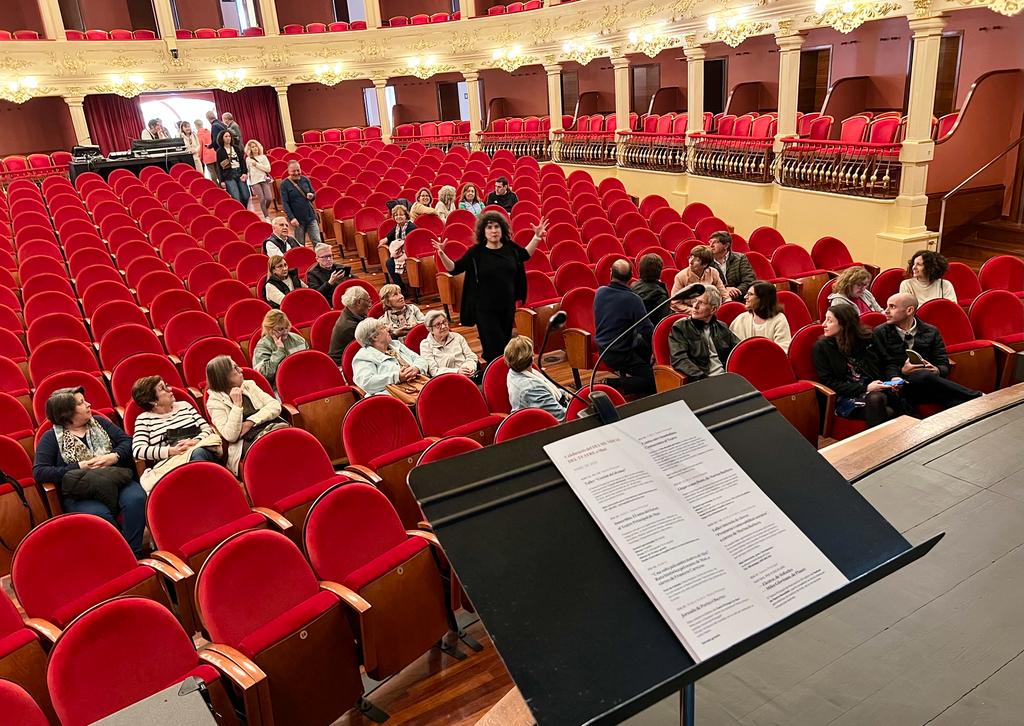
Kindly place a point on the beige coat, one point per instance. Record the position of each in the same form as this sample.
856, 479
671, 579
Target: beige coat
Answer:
227, 417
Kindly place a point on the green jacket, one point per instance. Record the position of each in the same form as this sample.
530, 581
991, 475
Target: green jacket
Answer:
266, 357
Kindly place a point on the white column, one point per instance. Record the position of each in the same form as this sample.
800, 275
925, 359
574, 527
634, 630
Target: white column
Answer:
286, 116
918, 148
620, 68
53, 21
78, 121
789, 84
373, 19
555, 111
165, 21
467, 8
473, 89
268, 17
695, 55
379, 86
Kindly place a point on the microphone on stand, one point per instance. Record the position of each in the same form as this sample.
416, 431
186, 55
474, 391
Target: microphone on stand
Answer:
599, 401
556, 322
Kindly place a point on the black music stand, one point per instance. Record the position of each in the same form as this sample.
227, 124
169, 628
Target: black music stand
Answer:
580, 638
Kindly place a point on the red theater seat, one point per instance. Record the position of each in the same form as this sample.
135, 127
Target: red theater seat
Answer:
452, 405
978, 364
522, 422
314, 390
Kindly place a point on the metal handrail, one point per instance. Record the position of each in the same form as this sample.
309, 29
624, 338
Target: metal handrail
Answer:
958, 187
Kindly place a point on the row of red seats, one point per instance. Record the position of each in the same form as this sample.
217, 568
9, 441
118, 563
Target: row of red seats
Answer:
516, 7
116, 34
210, 33
338, 26
20, 35
335, 136
432, 131
34, 166
401, 21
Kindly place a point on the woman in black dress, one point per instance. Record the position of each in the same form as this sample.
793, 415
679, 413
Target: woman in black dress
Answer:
495, 279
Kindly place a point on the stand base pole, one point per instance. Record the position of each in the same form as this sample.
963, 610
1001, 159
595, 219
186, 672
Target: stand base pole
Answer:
686, 704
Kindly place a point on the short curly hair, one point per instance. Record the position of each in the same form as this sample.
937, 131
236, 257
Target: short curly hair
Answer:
496, 218
935, 265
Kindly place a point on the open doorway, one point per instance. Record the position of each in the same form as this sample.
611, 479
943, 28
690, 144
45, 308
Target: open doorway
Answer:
453, 101
173, 108
714, 85
370, 105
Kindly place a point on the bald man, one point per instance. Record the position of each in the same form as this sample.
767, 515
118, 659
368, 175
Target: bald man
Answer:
926, 382
616, 307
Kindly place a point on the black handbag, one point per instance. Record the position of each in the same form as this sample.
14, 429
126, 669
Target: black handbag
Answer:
6, 478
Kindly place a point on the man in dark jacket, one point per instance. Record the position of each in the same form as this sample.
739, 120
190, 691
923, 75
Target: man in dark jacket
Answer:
502, 195
297, 197
280, 240
734, 267
926, 382
217, 127
324, 276
616, 307
699, 345
649, 287
357, 304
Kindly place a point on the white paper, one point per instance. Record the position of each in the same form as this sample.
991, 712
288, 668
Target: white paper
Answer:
713, 552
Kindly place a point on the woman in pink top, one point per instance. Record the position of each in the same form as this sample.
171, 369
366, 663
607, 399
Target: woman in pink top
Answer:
699, 270
208, 155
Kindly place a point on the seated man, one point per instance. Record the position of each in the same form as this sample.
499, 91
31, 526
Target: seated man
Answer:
616, 308
357, 304
649, 287
502, 195
733, 267
280, 240
699, 345
926, 382
324, 276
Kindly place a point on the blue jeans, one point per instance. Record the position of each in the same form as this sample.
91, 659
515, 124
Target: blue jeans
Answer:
310, 230
132, 500
204, 455
239, 190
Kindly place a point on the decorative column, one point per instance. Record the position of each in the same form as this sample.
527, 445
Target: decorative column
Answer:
695, 55
552, 3
473, 89
621, 71
286, 116
372, 13
268, 17
379, 86
555, 111
53, 21
165, 21
918, 148
78, 121
467, 9
789, 44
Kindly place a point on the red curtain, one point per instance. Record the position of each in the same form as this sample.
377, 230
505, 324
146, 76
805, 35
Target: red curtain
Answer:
255, 111
114, 121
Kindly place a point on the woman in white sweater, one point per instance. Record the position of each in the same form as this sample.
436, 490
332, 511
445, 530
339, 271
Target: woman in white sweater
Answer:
444, 350
260, 182
240, 410
763, 318
926, 282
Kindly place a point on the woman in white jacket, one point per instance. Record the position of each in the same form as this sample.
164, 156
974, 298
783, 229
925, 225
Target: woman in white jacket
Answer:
240, 410
192, 145
260, 182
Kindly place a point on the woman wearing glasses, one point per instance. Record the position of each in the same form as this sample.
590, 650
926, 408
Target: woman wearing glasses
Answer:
444, 350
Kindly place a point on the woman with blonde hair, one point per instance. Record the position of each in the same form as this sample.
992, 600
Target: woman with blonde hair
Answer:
851, 288
400, 316
526, 387
445, 202
191, 141
277, 343
260, 183
422, 205
470, 199
280, 280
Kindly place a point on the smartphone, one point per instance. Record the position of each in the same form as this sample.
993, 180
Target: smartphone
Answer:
914, 357
894, 382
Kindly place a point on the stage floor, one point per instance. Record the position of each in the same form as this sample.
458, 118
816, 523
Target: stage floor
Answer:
940, 642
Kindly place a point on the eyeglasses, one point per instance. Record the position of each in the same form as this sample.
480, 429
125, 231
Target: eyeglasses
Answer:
440, 324
325, 257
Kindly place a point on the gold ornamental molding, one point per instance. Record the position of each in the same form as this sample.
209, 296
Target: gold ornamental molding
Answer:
330, 74
422, 67
846, 16
583, 52
128, 85
1003, 7
510, 59
19, 90
651, 41
733, 30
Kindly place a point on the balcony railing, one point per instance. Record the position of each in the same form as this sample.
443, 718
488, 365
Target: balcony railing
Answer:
582, 147
520, 143
731, 157
652, 151
444, 142
854, 168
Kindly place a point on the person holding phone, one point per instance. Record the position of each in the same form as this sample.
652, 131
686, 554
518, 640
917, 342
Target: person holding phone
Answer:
914, 350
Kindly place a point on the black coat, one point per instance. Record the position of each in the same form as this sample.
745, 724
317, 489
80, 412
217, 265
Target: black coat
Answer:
470, 286
833, 366
892, 349
688, 350
293, 274
228, 172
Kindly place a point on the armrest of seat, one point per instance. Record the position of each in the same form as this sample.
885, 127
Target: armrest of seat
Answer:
422, 534
829, 411
181, 580
170, 559
667, 378
524, 321
577, 347
45, 628
169, 571
52, 499
1005, 356
363, 472
360, 606
248, 677
277, 519
292, 412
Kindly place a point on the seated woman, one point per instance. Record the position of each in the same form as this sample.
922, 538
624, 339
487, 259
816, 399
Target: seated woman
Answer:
395, 242
277, 343
926, 282
699, 270
848, 363
240, 410
169, 433
445, 350
90, 462
445, 202
851, 288
400, 316
382, 361
470, 199
764, 318
527, 388
424, 204
280, 281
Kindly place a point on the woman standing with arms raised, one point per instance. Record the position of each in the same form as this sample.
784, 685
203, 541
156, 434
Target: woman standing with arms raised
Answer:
495, 279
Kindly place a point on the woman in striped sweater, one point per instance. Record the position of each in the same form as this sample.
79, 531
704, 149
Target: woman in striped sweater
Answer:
167, 428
